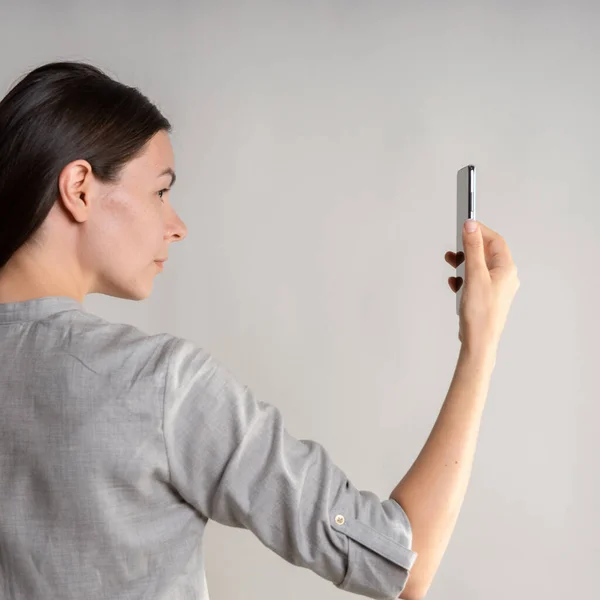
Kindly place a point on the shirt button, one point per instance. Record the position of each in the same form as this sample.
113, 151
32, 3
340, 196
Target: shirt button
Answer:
340, 520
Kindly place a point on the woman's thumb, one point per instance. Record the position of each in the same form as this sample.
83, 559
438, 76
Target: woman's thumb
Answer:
474, 249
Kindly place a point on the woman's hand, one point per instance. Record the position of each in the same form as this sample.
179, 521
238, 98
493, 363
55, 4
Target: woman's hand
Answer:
491, 282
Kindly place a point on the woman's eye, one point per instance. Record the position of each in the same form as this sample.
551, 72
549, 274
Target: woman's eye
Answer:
160, 194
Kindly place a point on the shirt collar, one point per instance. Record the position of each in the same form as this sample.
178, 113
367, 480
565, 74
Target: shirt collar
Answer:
37, 308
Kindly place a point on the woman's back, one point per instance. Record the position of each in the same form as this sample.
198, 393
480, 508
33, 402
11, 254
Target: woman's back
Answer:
87, 507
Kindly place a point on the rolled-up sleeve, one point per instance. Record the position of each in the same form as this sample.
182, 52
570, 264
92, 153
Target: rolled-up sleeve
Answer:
231, 458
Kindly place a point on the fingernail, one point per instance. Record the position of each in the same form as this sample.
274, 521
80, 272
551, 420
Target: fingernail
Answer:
471, 225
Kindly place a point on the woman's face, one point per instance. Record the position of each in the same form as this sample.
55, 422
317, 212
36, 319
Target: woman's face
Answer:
131, 224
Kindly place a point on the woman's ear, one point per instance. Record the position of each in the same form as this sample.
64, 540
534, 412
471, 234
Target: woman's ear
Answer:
74, 184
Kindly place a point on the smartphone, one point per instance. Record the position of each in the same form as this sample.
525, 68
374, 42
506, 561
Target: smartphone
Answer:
465, 209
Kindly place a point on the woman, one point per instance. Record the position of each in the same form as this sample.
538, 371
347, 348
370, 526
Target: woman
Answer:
117, 447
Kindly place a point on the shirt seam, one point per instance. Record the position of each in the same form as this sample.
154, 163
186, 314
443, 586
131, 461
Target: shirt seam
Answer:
27, 320
164, 402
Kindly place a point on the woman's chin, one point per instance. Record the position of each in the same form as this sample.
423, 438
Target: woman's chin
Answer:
136, 290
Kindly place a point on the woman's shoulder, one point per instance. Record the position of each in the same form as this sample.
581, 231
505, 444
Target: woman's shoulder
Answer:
107, 346
181, 361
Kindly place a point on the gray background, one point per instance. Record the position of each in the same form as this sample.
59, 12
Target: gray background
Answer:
317, 145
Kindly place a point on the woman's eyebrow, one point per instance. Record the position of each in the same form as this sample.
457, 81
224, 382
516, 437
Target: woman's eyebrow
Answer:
169, 171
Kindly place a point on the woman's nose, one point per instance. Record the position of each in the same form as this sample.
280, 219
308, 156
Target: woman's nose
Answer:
177, 229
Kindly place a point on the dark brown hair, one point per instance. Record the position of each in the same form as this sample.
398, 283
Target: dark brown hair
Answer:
60, 112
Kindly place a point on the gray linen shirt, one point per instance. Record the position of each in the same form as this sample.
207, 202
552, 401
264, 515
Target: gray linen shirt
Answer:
117, 447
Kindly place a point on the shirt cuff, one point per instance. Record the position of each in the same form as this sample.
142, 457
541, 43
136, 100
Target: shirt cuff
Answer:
379, 550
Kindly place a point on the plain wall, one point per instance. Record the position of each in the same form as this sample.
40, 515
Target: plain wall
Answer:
317, 145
